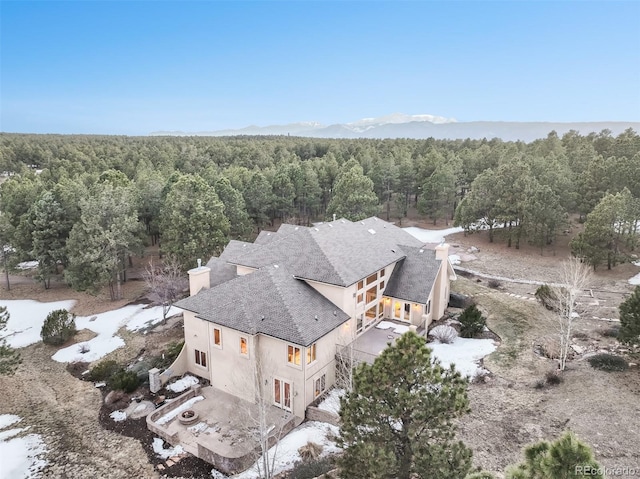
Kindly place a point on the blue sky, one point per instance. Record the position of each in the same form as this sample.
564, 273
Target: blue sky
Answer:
126, 67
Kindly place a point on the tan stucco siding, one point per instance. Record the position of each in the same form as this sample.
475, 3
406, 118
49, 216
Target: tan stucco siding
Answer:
196, 338
242, 270
343, 298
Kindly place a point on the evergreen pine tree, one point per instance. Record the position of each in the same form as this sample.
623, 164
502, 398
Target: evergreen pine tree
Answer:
398, 422
9, 358
630, 318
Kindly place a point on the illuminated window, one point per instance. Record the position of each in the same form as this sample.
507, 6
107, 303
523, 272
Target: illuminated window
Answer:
371, 313
217, 337
201, 358
372, 293
244, 347
294, 355
311, 353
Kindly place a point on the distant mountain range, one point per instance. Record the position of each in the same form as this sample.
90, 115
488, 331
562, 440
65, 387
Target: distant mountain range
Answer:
399, 125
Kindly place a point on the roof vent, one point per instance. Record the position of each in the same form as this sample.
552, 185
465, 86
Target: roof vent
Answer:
262, 319
421, 251
316, 229
330, 225
375, 218
268, 234
372, 231
296, 228
362, 222
199, 263
393, 251
316, 317
275, 266
341, 221
334, 218
335, 313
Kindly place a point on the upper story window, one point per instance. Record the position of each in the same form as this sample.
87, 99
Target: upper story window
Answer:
372, 278
311, 353
244, 346
294, 355
217, 337
360, 284
382, 272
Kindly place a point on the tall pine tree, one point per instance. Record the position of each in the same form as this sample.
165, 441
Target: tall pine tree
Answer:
398, 422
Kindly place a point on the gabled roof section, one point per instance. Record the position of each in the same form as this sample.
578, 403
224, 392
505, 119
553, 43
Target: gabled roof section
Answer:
340, 252
268, 301
236, 249
413, 277
221, 271
265, 237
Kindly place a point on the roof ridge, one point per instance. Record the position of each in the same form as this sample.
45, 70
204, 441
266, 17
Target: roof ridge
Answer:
272, 270
328, 258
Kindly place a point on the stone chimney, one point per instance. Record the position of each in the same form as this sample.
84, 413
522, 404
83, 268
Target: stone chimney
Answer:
199, 278
442, 251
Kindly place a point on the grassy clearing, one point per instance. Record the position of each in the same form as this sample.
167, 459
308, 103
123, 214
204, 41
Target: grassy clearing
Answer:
513, 319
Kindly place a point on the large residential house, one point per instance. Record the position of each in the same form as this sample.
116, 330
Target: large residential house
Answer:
292, 298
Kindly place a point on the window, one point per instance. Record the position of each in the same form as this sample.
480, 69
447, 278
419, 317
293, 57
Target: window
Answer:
371, 313
360, 298
282, 394
382, 272
244, 347
360, 284
381, 285
372, 278
407, 307
217, 337
359, 322
380, 309
428, 306
201, 358
311, 353
294, 355
320, 385
372, 293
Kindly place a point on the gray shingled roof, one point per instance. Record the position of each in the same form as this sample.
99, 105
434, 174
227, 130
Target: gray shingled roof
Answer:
268, 301
340, 252
413, 277
221, 271
265, 237
236, 249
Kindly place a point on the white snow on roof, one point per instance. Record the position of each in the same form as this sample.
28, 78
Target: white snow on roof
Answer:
431, 236
21, 453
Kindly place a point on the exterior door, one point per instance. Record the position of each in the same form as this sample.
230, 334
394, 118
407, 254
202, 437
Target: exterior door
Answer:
282, 394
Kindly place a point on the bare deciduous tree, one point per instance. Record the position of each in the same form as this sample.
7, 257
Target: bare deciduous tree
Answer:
576, 276
166, 283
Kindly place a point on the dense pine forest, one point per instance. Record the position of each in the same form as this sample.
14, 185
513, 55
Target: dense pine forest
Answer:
83, 205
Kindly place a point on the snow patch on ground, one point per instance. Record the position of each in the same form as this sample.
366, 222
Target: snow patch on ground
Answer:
454, 258
286, 452
332, 402
635, 280
21, 455
463, 353
183, 384
158, 448
26, 318
27, 265
174, 412
431, 236
106, 325
397, 328
118, 416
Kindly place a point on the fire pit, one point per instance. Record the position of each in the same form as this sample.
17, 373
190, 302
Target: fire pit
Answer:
188, 417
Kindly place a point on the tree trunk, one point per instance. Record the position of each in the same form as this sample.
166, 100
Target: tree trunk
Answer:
6, 271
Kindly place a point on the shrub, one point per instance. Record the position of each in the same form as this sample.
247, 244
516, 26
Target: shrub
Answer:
310, 451
104, 370
539, 384
471, 322
444, 334
494, 283
126, 381
553, 378
311, 469
546, 296
59, 326
630, 318
608, 362
611, 332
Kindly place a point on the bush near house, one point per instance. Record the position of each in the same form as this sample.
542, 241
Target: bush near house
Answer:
59, 326
546, 296
123, 380
104, 370
472, 322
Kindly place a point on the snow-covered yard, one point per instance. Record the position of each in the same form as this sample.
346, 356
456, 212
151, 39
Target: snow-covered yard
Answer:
635, 280
332, 402
286, 452
28, 316
463, 353
397, 328
20, 453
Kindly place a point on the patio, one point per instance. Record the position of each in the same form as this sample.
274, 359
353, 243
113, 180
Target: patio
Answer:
224, 433
372, 342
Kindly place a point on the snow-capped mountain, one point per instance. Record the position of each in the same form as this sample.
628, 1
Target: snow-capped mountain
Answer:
400, 125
